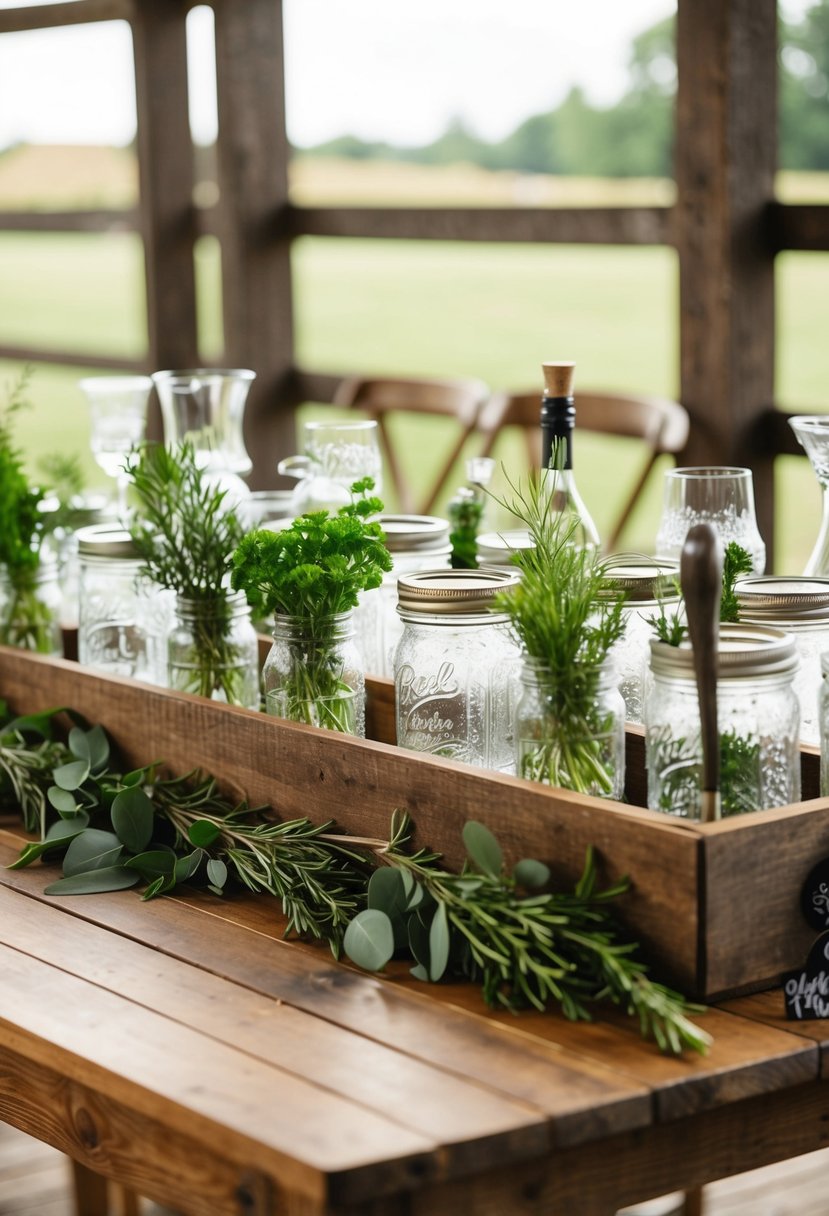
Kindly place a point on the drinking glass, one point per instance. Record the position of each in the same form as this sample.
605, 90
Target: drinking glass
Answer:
715, 494
118, 414
812, 432
335, 454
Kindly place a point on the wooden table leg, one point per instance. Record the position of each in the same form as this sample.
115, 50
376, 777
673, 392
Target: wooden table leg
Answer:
124, 1201
89, 1191
694, 1202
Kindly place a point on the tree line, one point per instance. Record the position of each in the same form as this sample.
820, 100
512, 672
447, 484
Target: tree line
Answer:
634, 138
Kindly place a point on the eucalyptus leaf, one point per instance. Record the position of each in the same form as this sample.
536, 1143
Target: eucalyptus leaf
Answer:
71, 776
387, 891
216, 873
38, 848
483, 848
92, 850
114, 878
419, 972
419, 941
39, 724
132, 817
369, 939
187, 866
203, 833
90, 745
155, 863
62, 800
154, 888
438, 943
65, 829
531, 874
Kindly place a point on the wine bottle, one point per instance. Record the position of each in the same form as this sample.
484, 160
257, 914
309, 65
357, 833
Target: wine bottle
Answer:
558, 418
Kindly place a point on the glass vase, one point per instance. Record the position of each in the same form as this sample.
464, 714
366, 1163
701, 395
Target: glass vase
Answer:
584, 752
812, 432
30, 609
213, 651
314, 673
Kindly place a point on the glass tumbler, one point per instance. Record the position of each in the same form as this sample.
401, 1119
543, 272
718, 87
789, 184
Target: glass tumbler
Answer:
335, 455
714, 494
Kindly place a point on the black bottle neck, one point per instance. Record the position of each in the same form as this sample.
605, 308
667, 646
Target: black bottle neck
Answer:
558, 418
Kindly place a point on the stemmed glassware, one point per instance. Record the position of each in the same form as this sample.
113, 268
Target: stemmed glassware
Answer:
714, 494
812, 431
118, 414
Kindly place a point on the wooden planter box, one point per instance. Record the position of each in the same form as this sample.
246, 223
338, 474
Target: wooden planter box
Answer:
715, 906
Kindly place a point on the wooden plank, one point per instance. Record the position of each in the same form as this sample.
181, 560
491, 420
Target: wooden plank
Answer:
15, 20
473, 1123
102, 220
769, 1008
253, 157
558, 225
582, 1100
300, 770
801, 226
66, 358
165, 163
305, 1138
725, 164
754, 929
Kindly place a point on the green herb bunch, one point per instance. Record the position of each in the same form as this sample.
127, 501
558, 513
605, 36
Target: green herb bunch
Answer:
736, 561
465, 513
184, 534
24, 620
309, 574
526, 945
568, 618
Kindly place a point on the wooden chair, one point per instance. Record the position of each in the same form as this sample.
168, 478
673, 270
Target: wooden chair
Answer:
660, 423
379, 397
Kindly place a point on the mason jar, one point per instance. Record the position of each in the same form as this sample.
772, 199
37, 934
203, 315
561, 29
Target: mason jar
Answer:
649, 587
758, 718
499, 549
456, 667
415, 542
314, 673
823, 713
586, 754
30, 608
800, 606
114, 607
213, 651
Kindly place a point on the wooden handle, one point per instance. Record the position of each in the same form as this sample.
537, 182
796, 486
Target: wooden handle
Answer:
700, 572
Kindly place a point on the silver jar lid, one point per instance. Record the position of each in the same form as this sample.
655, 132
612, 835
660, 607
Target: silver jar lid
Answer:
745, 651
105, 540
453, 592
643, 579
414, 533
783, 599
498, 548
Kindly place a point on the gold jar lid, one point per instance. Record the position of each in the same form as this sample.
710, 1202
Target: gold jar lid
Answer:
105, 540
643, 578
414, 533
453, 592
783, 599
745, 651
498, 548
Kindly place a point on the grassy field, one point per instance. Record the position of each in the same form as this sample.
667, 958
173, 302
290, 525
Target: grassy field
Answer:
488, 311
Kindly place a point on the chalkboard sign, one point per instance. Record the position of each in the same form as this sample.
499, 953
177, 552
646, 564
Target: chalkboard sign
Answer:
807, 991
814, 896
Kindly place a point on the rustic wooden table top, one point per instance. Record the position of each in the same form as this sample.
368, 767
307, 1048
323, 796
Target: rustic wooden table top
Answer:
185, 1049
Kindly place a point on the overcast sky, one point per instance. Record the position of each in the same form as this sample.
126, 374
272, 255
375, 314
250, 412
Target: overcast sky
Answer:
353, 66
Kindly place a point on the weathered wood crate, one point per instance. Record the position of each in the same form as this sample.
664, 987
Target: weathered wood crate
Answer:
714, 906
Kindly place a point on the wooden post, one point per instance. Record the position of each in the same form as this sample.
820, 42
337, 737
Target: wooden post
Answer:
165, 158
253, 185
725, 164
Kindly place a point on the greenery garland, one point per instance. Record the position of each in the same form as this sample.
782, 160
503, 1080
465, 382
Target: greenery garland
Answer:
525, 944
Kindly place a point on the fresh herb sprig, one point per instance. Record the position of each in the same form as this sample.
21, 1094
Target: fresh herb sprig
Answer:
526, 945
568, 618
185, 533
736, 561
309, 574
465, 511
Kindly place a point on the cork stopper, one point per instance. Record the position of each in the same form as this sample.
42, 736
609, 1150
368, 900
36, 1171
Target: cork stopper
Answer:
558, 379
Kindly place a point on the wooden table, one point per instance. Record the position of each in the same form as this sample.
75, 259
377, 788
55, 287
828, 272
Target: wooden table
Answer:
183, 1048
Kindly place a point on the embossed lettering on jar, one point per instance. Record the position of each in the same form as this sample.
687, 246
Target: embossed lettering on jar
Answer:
456, 668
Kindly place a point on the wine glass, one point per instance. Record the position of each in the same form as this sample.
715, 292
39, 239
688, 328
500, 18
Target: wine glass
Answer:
118, 414
336, 454
812, 431
714, 494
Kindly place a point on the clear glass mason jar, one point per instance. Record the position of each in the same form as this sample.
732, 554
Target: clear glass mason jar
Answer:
456, 667
213, 651
30, 609
649, 587
758, 717
586, 755
314, 673
415, 542
498, 549
800, 606
823, 713
115, 608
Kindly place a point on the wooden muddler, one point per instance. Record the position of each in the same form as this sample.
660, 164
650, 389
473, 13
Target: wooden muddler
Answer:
700, 573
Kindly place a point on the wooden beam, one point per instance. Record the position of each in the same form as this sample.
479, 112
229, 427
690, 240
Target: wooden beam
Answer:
726, 156
16, 20
74, 358
103, 220
561, 225
800, 226
165, 159
253, 187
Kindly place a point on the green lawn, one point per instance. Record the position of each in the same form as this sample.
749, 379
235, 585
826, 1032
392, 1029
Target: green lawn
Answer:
492, 311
